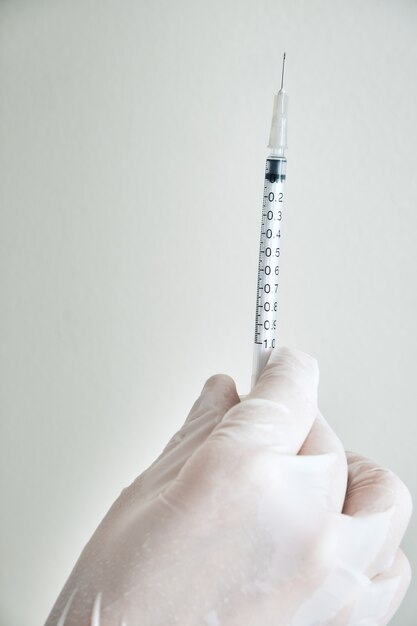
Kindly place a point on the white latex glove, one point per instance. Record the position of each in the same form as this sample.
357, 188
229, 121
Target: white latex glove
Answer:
244, 520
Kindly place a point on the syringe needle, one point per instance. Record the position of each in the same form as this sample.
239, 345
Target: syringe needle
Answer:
283, 68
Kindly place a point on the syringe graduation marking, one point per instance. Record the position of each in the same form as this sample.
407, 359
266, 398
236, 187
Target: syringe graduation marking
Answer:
269, 254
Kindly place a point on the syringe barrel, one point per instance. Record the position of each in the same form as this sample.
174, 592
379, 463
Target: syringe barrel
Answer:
269, 263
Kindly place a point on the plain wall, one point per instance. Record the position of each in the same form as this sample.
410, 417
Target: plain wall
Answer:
133, 138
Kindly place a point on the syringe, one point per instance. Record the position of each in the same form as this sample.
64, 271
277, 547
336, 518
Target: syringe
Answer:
270, 245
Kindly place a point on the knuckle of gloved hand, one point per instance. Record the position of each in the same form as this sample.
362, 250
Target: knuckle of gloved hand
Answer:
236, 461
405, 568
256, 422
389, 489
401, 500
218, 381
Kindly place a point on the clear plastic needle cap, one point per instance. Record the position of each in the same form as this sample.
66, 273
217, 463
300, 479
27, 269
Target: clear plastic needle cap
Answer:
278, 135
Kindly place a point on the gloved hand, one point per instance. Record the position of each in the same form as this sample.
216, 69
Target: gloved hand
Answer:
252, 515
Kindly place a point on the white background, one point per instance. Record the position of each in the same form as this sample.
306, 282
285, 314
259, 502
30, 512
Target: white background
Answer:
132, 154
